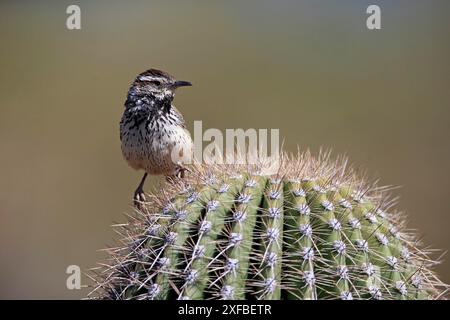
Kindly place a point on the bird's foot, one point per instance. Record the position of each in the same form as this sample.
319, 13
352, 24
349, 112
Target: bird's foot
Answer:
180, 172
139, 198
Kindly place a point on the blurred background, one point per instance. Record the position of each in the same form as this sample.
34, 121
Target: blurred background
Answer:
310, 68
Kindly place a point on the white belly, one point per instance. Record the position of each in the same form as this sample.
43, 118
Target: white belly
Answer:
156, 153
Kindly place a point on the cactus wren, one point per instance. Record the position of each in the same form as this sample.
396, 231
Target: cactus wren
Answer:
151, 128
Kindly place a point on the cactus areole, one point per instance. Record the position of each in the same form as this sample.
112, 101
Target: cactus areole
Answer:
312, 230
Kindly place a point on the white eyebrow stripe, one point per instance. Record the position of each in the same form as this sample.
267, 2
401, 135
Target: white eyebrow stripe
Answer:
147, 78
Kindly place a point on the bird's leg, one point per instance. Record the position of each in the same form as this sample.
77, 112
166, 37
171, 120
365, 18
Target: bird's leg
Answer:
139, 195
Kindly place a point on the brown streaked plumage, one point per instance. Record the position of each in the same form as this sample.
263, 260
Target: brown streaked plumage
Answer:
152, 130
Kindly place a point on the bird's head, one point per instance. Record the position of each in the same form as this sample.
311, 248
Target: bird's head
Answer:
157, 84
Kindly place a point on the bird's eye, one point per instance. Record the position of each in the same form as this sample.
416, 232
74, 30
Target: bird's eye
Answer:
156, 82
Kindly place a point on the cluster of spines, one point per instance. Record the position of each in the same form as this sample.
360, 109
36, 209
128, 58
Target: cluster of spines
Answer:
345, 247
256, 237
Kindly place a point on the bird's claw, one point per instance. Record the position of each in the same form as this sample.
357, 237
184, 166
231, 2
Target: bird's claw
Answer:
178, 174
139, 198
181, 172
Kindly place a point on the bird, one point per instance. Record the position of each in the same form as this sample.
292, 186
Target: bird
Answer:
153, 133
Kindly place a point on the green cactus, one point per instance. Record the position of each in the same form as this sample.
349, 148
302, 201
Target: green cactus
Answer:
314, 230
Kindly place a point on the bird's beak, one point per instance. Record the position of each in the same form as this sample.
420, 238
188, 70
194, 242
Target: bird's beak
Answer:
181, 83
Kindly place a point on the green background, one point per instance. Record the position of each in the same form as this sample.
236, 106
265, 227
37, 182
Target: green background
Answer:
310, 68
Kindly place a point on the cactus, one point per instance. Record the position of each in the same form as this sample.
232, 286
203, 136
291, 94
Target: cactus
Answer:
313, 230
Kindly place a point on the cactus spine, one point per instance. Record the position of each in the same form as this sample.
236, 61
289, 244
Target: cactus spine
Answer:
312, 231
